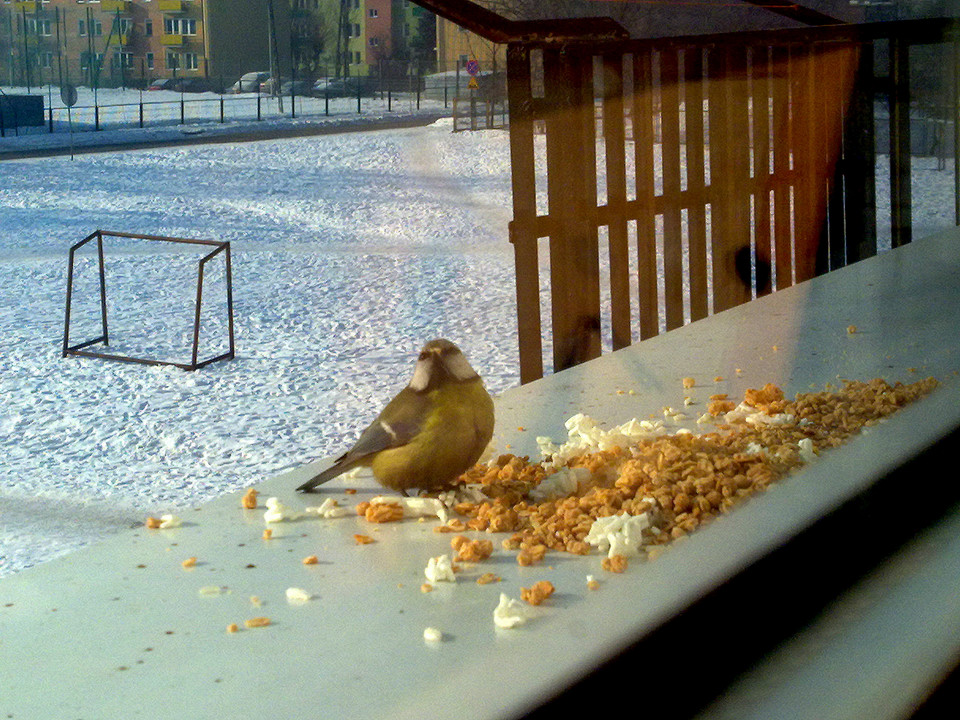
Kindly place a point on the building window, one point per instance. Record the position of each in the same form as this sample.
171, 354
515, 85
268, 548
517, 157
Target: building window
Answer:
356, 58
150, 61
190, 61
374, 12
374, 42
173, 61
82, 29
356, 30
45, 59
148, 28
39, 26
85, 60
121, 59
180, 26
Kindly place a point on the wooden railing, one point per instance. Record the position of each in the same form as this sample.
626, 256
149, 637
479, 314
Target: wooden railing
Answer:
738, 164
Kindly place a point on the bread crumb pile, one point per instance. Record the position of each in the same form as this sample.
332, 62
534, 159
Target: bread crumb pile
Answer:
680, 481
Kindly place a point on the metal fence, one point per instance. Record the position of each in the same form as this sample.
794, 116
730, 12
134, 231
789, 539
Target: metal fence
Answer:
106, 108
143, 111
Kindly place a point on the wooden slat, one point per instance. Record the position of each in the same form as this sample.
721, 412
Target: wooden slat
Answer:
670, 159
524, 212
647, 309
589, 343
619, 250
841, 63
718, 119
696, 204
822, 170
738, 183
781, 146
760, 107
805, 151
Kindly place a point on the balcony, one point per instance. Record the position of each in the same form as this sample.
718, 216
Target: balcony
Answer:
171, 6
172, 40
123, 7
27, 6
119, 40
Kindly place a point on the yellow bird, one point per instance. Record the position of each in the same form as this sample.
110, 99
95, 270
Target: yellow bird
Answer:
433, 430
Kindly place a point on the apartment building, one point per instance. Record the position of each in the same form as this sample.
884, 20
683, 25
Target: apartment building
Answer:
130, 42
359, 37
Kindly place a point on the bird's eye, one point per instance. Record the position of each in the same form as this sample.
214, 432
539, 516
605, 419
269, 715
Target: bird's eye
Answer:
423, 356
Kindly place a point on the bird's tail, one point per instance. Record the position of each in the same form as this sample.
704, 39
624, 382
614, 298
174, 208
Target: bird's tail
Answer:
328, 474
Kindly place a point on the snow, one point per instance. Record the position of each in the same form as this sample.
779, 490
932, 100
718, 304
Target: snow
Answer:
349, 252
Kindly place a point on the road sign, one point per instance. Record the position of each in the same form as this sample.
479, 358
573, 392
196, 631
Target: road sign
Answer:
68, 93
473, 67
473, 85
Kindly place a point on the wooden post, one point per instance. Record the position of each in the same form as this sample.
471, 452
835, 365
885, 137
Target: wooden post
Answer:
572, 198
522, 233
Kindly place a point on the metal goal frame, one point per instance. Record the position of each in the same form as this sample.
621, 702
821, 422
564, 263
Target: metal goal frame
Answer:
82, 349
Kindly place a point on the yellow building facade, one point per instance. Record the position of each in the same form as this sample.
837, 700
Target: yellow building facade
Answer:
114, 42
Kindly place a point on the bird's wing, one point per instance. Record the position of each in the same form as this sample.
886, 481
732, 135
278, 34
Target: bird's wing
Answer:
396, 425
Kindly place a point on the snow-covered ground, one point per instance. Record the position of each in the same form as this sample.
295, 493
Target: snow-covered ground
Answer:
349, 251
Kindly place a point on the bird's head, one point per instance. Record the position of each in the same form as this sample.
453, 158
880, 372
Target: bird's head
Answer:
440, 360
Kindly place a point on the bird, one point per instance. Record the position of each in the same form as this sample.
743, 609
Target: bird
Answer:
432, 431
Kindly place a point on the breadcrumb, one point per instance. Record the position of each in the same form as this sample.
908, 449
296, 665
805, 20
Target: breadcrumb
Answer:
614, 564
539, 592
249, 499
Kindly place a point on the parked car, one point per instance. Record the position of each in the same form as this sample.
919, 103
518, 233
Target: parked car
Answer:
195, 84
320, 85
345, 87
162, 84
297, 87
249, 82
268, 85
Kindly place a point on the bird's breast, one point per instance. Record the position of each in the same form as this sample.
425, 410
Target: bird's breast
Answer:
455, 432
